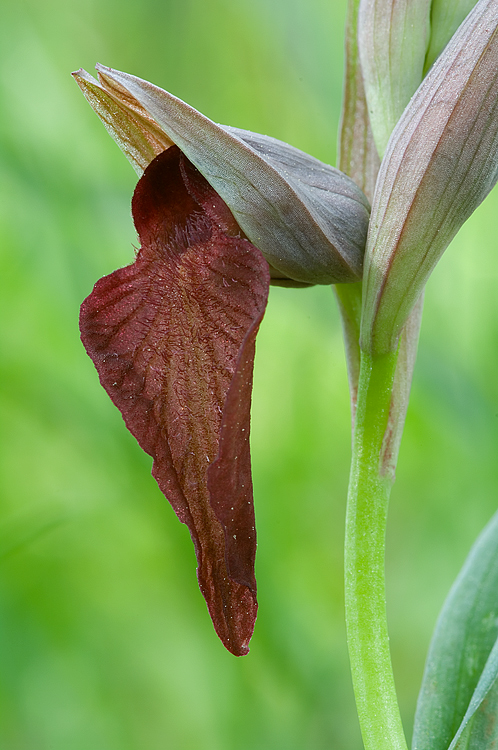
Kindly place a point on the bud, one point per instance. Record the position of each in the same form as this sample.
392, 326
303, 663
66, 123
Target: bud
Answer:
308, 219
446, 17
440, 164
392, 39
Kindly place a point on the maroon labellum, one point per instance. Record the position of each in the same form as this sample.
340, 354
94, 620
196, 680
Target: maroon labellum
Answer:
172, 337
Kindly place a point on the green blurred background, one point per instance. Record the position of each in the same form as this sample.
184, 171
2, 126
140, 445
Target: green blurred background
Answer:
105, 641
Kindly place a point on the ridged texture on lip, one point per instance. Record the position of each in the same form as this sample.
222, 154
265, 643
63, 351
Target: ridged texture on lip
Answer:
311, 228
441, 162
172, 337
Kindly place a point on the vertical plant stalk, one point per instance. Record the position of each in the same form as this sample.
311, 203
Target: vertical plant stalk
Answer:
370, 486
358, 158
379, 399
348, 298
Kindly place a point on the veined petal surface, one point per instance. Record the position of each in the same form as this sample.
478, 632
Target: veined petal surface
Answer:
173, 337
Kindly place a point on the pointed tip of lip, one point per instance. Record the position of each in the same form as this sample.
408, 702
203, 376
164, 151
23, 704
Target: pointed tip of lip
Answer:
241, 651
80, 72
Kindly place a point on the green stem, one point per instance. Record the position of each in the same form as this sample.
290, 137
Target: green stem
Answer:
349, 300
366, 517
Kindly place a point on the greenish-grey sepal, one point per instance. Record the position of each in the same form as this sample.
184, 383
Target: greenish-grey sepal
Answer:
331, 198
310, 229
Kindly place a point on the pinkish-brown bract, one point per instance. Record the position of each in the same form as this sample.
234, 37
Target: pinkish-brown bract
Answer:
172, 337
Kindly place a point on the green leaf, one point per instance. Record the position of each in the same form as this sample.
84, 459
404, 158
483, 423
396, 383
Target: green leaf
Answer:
457, 701
479, 729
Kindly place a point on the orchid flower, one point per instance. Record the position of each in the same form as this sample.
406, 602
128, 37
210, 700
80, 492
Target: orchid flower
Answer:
220, 213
